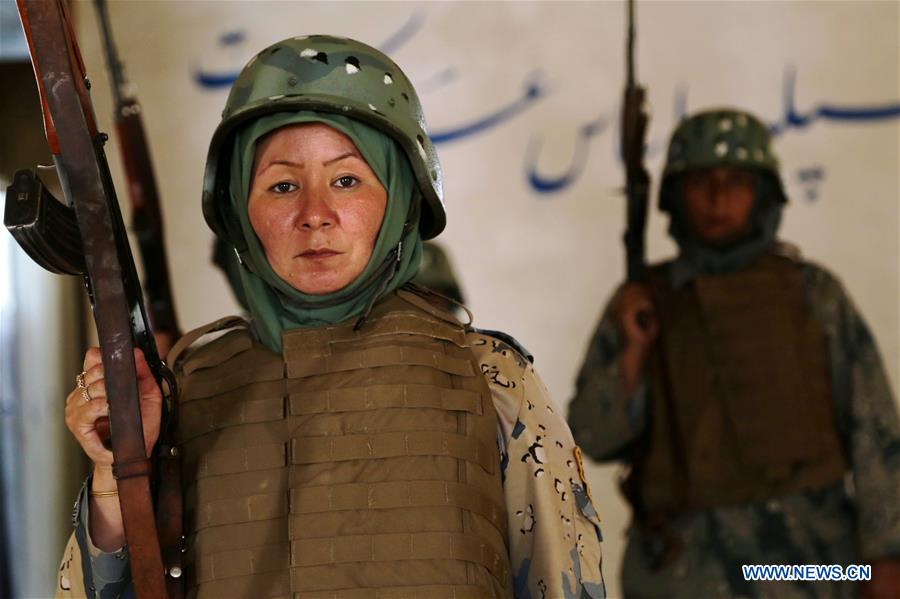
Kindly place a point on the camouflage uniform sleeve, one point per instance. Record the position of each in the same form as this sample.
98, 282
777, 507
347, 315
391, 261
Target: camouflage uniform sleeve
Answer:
605, 423
70, 577
554, 542
867, 414
87, 571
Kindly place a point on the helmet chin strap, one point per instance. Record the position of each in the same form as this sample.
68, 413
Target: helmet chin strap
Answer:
393, 258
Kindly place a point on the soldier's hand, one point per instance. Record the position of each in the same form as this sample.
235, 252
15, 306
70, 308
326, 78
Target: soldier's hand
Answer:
636, 317
84, 407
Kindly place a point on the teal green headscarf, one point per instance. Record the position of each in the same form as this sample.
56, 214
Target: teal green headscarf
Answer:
275, 306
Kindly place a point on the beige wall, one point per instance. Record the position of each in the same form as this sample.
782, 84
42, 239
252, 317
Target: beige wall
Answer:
541, 266
41, 327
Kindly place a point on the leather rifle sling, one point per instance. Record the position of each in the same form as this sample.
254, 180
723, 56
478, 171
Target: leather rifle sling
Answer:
85, 176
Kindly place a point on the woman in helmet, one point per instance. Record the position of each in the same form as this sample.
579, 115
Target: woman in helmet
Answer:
351, 440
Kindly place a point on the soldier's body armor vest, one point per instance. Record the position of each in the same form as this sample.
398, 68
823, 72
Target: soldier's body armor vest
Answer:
355, 465
740, 405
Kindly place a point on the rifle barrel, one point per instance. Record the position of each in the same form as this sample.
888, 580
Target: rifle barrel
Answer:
116, 69
629, 51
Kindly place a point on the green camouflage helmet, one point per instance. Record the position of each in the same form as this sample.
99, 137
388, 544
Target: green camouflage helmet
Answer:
719, 137
326, 74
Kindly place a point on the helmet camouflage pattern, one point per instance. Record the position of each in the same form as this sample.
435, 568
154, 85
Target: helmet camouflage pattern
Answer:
327, 74
720, 137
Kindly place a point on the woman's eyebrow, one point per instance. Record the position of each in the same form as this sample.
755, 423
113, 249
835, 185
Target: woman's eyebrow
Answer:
282, 162
301, 164
341, 157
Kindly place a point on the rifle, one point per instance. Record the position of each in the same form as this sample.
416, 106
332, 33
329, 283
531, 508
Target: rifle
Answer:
146, 218
87, 237
637, 187
637, 180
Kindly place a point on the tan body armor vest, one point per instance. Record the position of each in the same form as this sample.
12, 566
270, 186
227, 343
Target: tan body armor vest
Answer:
356, 465
740, 407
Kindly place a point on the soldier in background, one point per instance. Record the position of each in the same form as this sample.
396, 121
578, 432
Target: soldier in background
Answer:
437, 274
748, 398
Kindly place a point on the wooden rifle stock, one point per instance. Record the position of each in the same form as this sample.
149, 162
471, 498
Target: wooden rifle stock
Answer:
109, 270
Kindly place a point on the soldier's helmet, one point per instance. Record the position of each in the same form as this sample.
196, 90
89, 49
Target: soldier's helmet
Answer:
719, 137
436, 272
326, 74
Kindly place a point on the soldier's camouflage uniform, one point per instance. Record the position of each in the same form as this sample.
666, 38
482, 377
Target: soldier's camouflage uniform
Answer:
698, 551
846, 524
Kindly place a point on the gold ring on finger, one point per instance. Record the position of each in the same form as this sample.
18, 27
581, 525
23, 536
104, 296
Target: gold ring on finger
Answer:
79, 381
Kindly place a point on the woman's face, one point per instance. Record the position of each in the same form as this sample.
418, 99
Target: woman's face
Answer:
316, 206
718, 202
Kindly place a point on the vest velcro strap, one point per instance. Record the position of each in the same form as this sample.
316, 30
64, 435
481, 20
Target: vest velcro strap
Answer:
307, 343
430, 493
238, 510
243, 459
222, 488
374, 357
197, 386
444, 591
200, 417
385, 396
393, 547
390, 445
243, 562
277, 584
238, 537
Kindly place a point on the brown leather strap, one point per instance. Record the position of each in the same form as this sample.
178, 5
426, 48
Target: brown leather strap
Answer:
141, 536
131, 468
169, 519
73, 135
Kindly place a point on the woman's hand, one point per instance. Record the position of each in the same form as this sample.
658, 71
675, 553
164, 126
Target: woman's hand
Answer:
84, 407
635, 316
82, 414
